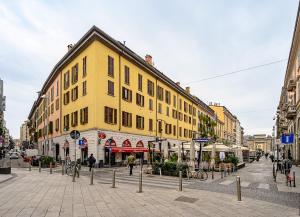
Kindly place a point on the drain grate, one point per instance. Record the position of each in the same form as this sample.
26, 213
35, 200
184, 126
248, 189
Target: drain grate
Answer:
186, 199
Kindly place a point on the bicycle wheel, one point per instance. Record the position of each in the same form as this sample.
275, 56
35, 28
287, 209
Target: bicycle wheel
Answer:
202, 176
69, 171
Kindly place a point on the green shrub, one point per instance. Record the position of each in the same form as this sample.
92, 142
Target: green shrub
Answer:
46, 160
233, 159
174, 157
206, 156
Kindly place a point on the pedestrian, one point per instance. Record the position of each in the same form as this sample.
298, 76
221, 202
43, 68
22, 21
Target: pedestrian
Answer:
91, 161
131, 160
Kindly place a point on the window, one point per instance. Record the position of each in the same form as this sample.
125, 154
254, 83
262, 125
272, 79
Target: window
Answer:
194, 111
67, 80
150, 125
174, 130
168, 128
185, 107
151, 104
190, 120
52, 108
67, 98
50, 127
127, 74
159, 126
180, 116
140, 82
190, 134
74, 93
74, 119
110, 66
180, 132
84, 91
84, 115
180, 104
139, 122
110, 88
126, 119
159, 108
185, 133
150, 88
174, 101
194, 121
52, 94
110, 115
74, 74
84, 66
167, 111
168, 97
126, 94
57, 125
186, 118
57, 88
57, 104
174, 113
190, 109
160, 93
66, 121
139, 100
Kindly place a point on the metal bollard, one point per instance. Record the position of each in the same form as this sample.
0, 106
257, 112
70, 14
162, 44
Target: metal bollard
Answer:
92, 176
187, 174
238, 188
180, 180
225, 172
274, 173
51, 168
159, 171
220, 169
40, 165
114, 179
294, 178
212, 173
140, 183
62, 168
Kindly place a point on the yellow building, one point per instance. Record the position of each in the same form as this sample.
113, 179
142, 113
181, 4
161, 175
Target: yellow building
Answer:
229, 120
119, 102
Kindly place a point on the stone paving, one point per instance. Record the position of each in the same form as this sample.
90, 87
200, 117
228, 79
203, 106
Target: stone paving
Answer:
42, 194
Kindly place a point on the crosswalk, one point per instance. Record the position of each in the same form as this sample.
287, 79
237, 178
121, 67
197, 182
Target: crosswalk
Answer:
246, 184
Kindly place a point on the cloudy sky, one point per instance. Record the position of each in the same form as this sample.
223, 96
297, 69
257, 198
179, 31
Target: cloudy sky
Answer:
188, 40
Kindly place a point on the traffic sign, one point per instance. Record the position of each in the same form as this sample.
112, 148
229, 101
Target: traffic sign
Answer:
287, 138
75, 134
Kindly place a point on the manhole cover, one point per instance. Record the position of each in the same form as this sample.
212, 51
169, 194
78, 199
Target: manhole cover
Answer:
186, 199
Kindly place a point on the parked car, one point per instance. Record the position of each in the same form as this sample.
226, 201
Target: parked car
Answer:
14, 155
35, 160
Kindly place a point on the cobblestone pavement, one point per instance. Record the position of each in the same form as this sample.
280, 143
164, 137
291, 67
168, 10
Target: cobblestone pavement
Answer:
42, 194
256, 182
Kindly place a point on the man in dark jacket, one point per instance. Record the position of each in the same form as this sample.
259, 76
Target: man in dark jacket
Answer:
91, 161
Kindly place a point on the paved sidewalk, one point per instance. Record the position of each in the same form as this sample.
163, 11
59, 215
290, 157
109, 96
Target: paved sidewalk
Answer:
281, 181
41, 194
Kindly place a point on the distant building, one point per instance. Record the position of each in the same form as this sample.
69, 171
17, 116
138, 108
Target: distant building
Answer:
24, 132
259, 142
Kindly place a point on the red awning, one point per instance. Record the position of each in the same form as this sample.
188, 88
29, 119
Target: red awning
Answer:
128, 149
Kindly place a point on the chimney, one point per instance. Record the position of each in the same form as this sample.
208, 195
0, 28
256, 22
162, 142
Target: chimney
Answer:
188, 90
178, 83
70, 46
148, 59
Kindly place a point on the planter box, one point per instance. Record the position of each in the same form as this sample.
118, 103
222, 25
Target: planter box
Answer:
5, 170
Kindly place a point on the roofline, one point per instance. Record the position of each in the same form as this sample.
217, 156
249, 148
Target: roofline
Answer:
99, 34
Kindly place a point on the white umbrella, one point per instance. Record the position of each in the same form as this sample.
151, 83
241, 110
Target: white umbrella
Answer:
219, 147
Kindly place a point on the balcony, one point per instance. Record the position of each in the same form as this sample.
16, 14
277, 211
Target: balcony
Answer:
291, 112
284, 107
291, 85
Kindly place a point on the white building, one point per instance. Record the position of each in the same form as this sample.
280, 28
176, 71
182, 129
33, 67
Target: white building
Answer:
238, 133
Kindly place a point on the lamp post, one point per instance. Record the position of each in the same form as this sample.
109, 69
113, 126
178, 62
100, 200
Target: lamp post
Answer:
47, 119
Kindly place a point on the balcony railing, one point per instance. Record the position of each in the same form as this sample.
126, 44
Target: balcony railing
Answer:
291, 112
291, 85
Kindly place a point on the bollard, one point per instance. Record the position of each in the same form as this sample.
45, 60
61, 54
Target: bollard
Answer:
212, 173
50, 167
225, 172
74, 173
238, 188
220, 168
29, 166
40, 165
287, 180
92, 176
62, 168
114, 179
187, 174
140, 183
180, 180
159, 171
294, 178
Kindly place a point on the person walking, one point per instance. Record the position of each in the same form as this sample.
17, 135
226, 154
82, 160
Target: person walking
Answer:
91, 161
131, 160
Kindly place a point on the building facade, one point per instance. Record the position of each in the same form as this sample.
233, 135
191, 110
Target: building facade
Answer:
238, 132
288, 111
119, 102
24, 132
259, 142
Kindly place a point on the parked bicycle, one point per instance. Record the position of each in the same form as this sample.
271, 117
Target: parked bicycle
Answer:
200, 174
70, 166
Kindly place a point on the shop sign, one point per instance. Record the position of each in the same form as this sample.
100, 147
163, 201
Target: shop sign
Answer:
110, 142
101, 135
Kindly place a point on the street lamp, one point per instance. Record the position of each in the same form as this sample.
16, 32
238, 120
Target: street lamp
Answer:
47, 119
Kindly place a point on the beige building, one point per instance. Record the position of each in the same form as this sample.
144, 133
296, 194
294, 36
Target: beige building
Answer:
24, 132
259, 142
288, 111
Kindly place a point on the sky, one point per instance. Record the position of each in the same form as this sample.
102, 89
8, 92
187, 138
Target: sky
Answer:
188, 40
